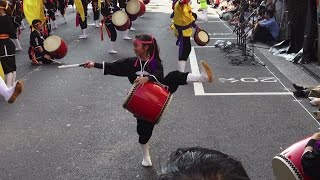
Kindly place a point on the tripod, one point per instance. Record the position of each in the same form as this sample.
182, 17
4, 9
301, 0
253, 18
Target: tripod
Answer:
247, 55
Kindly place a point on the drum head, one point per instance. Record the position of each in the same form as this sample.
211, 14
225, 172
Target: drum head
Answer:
119, 18
133, 7
203, 36
284, 169
52, 43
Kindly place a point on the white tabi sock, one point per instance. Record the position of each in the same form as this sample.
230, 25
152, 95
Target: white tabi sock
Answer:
146, 161
125, 35
17, 44
111, 50
14, 77
195, 78
4, 90
181, 66
9, 79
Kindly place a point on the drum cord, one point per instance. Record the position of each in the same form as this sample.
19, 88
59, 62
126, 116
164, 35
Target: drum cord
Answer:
142, 73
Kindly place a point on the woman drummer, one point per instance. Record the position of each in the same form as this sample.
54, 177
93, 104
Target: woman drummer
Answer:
107, 9
147, 66
183, 21
7, 47
37, 52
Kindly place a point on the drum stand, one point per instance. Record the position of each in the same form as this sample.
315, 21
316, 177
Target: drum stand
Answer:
247, 55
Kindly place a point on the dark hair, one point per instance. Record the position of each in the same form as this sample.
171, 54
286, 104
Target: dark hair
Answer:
202, 164
270, 12
152, 47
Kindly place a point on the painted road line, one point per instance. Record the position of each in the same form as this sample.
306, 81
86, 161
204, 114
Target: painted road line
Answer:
217, 38
249, 94
198, 87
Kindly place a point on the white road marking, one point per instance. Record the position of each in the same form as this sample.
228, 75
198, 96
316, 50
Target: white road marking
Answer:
200, 90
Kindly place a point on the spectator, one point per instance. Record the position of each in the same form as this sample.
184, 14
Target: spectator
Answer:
202, 164
267, 30
230, 11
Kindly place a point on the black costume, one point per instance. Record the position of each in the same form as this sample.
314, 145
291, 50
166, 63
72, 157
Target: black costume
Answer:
17, 16
62, 6
131, 68
36, 41
95, 9
83, 24
51, 6
7, 47
107, 9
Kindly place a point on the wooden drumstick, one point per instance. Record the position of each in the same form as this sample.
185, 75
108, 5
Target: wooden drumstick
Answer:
71, 66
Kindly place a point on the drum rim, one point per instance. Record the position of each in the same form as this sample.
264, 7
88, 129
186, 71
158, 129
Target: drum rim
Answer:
45, 43
198, 41
165, 108
131, 2
118, 12
129, 95
290, 166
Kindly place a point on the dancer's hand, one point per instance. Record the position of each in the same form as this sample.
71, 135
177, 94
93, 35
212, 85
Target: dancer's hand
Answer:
47, 56
88, 64
140, 81
316, 136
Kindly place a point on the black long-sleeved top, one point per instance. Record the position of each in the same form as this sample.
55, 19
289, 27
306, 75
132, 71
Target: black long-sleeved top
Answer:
131, 68
311, 162
108, 9
36, 41
7, 26
51, 4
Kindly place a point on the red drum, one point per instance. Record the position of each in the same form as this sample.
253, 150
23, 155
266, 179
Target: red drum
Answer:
146, 1
135, 8
148, 102
55, 46
121, 20
287, 165
201, 37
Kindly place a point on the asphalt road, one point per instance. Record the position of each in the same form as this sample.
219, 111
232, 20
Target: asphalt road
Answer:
70, 124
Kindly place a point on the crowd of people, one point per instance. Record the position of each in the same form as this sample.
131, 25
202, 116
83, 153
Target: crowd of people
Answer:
259, 19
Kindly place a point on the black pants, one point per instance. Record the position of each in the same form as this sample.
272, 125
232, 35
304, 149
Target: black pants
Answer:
7, 56
96, 11
174, 79
112, 30
83, 24
184, 52
62, 7
122, 3
262, 34
51, 13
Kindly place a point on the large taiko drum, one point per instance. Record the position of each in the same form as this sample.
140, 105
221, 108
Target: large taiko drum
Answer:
287, 165
121, 20
135, 8
148, 102
55, 46
201, 37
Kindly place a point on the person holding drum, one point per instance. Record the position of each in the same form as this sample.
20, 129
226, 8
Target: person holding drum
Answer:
17, 19
36, 51
7, 47
107, 10
51, 6
147, 67
183, 21
311, 158
123, 5
96, 13
83, 24
62, 5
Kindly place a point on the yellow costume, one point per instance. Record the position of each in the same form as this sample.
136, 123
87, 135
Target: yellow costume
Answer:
183, 17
